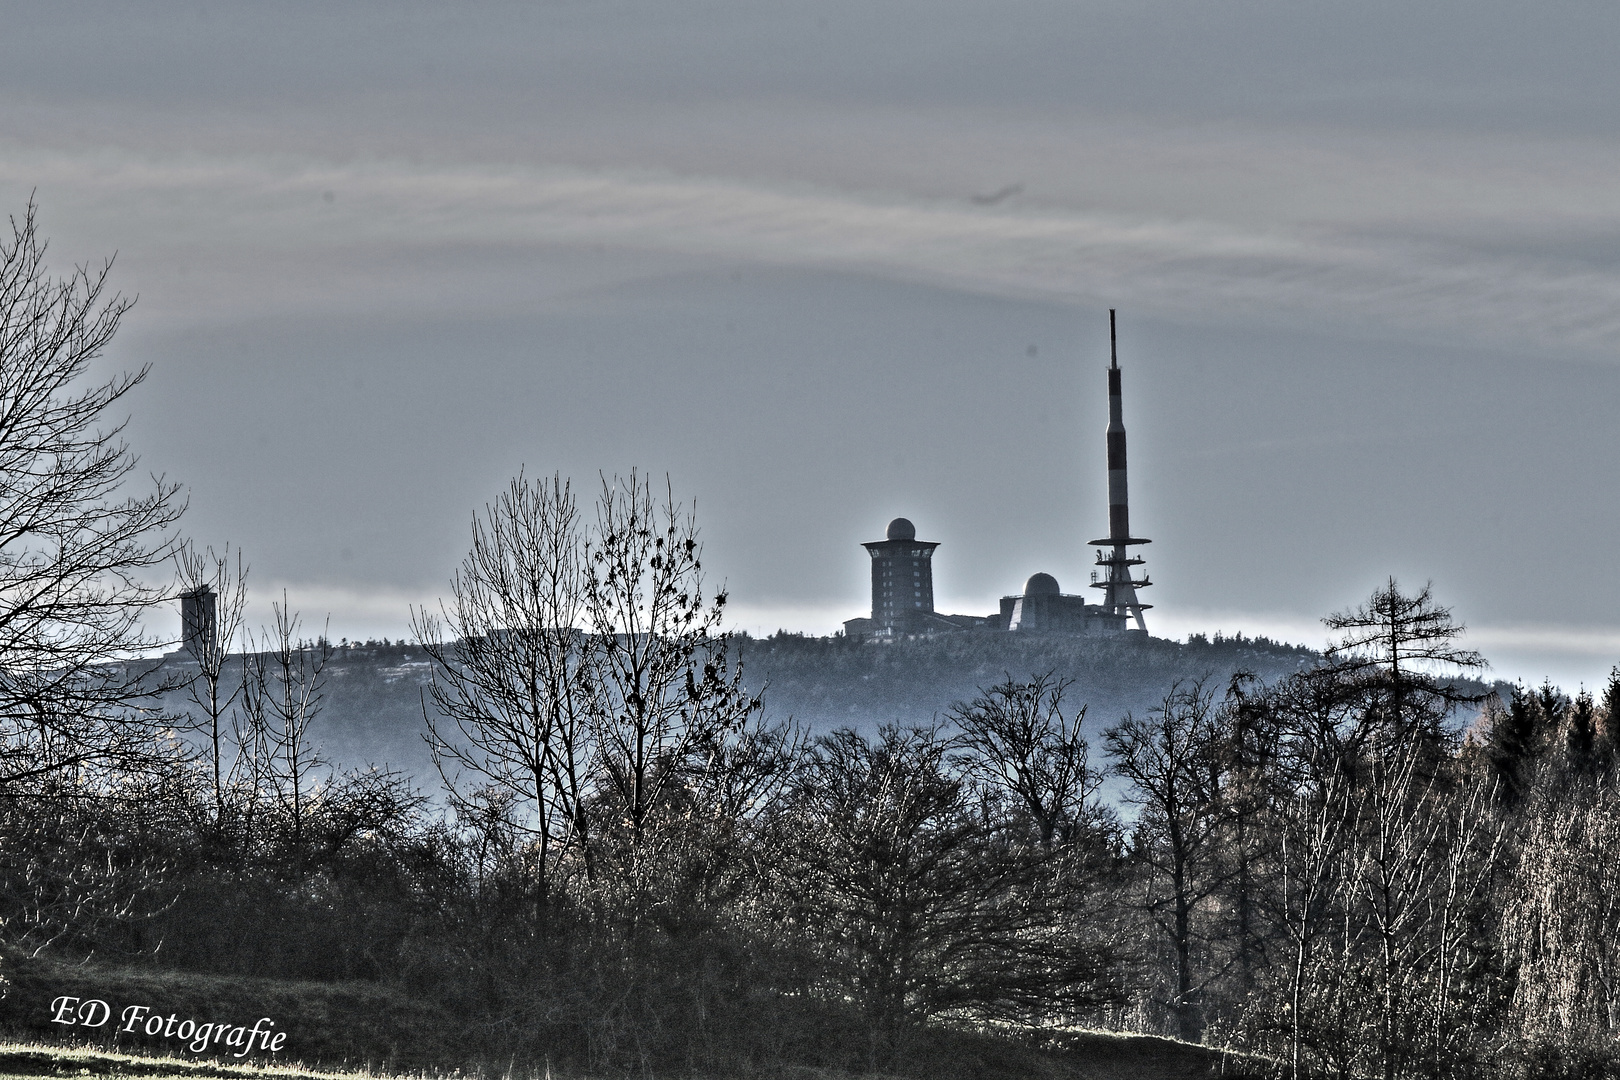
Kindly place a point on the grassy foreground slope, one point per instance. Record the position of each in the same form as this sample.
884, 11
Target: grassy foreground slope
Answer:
41, 1059
345, 1025
380, 1031
1109, 1058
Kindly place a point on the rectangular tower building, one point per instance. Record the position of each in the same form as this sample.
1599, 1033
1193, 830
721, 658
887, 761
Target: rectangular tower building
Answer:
199, 622
902, 579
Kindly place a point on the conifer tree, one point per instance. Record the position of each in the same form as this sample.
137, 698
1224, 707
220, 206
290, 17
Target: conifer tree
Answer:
1580, 732
1511, 745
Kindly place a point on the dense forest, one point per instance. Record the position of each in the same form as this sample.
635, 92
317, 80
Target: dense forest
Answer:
372, 696
1358, 863
834, 682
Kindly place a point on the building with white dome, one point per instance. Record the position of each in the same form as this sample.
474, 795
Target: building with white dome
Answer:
1044, 606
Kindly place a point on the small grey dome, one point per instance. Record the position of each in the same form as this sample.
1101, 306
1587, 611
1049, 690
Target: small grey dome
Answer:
901, 529
1041, 585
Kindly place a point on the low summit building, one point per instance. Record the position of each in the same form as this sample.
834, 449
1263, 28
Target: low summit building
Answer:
1044, 606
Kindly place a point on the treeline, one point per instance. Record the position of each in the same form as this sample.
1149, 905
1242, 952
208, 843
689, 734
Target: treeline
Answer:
371, 707
835, 682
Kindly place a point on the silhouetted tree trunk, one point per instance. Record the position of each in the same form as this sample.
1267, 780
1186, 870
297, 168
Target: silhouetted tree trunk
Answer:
665, 687
209, 691
513, 674
75, 546
1172, 764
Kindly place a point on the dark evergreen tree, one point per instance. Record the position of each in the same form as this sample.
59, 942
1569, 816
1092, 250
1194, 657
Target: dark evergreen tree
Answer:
1552, 704
1608, 741
1512, 746
1580, 733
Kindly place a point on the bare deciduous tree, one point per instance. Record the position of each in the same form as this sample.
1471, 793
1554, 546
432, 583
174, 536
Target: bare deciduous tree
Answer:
1386, 848
513, 678
1019, 740
1562, 925
1173, 766
201, 571
582, 671
666, 688
74, 546
283, 681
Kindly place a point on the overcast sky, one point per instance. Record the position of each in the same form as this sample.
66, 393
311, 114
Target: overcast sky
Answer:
830, 263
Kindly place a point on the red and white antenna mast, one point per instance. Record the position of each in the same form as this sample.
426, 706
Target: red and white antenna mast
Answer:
1119, 587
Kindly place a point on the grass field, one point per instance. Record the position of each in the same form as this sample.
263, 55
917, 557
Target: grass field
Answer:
1101, 1057
365, 1030
38, 1059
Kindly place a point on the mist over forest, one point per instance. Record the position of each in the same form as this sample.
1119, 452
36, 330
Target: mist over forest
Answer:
374, 693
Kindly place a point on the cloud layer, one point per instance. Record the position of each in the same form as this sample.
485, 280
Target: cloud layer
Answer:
348, 219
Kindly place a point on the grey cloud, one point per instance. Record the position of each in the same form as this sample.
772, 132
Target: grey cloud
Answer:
1487, 64
1176, 267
